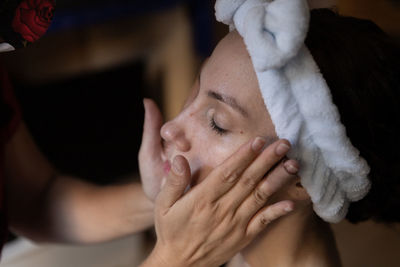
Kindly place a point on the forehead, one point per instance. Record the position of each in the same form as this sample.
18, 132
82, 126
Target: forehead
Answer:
229, 70
231, 60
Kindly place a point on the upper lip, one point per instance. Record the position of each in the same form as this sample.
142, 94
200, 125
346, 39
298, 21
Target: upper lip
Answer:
164, 153
163, 157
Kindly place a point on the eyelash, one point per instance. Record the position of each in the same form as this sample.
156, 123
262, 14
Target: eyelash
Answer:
216, 128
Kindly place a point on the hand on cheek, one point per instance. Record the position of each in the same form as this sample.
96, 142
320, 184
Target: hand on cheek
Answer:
223, 213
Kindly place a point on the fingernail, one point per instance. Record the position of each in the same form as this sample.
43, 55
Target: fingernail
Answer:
288, 208
291, 168
177, 166
258, 144
282, 149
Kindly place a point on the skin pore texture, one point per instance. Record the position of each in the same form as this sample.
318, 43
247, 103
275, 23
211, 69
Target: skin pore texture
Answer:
224, 110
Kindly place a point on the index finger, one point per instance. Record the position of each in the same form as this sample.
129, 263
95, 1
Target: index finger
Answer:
226, 175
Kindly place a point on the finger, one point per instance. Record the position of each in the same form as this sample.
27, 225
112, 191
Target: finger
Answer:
224, 177
151, 139
291, 166
150, 162
275, 181
175, 184
256, 171
267, 215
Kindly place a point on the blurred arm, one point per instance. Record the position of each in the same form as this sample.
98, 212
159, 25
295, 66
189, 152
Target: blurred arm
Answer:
45, 206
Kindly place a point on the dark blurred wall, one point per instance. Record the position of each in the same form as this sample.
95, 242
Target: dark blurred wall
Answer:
90, 125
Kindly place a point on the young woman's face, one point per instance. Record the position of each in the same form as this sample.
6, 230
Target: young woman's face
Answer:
225, 110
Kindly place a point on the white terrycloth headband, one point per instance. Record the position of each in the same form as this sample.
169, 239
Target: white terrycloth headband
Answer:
299, 100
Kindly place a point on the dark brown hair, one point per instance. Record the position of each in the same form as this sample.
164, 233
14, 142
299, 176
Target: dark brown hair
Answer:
361, 66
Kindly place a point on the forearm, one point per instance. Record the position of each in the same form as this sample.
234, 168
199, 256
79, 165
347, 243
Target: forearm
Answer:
47, 207
77, 212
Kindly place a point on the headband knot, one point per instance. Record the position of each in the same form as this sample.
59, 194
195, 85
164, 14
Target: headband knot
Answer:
279, 26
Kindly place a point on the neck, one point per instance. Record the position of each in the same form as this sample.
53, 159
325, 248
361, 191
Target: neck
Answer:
300, 239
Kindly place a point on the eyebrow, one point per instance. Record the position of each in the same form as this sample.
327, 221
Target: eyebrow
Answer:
229, 101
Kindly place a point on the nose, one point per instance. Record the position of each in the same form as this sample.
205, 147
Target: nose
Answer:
172, 132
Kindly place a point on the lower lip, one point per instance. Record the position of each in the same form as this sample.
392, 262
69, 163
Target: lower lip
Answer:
167, 167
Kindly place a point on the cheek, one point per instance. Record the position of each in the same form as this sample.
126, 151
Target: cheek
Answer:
211, 153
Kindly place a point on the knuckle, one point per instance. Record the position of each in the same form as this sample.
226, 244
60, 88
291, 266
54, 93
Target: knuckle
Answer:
234, 220
249, 182
204, 206
260, 196
176, 181
229, 176
225, 220
264, 220
222, 214
269, 187
214, 208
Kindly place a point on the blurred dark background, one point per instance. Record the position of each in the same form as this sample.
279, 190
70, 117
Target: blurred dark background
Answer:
81, 87
89, 125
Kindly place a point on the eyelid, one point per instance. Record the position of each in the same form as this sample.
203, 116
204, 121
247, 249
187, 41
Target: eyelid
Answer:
215, 125
221, 118
216, 128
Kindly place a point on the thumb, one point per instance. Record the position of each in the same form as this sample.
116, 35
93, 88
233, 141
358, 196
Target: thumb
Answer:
150, 162
151, 139
177, 181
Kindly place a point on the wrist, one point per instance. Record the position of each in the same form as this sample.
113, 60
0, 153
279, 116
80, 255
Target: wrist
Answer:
168, 257
163, 256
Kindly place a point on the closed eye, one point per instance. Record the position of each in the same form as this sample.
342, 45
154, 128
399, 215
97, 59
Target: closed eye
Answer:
216, 128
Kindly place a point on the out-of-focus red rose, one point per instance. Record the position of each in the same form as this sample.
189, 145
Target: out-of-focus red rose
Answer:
32, 18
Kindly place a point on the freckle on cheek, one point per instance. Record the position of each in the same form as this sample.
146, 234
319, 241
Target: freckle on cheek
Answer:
241, 132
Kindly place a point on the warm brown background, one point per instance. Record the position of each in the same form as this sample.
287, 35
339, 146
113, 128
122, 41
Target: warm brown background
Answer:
385, 13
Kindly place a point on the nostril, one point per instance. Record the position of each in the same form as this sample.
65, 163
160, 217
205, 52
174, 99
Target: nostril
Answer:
183, 145
173, 134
